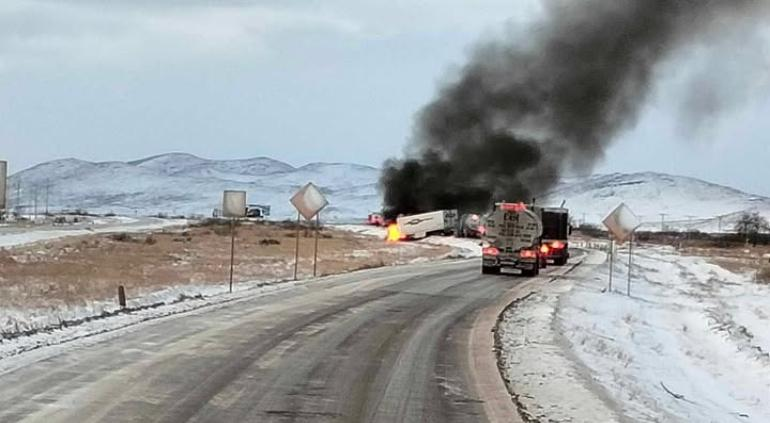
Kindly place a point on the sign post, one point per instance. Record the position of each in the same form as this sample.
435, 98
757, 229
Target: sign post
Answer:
630, 254
612, 260
309, 201
296, 249
621, 224
234, 207
315, 250
3, 183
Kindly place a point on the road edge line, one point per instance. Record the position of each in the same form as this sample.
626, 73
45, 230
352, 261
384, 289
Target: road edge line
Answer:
498, 400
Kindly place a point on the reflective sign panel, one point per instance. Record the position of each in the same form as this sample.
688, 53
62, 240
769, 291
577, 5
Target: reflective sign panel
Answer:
621, 222
309, 201
234, 204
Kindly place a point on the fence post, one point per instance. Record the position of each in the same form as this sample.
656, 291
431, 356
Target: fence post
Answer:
122, 297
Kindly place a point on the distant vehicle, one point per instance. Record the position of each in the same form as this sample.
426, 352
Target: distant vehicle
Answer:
469, 226
376, 219
556, 232
421, 225
512, 240
257, 211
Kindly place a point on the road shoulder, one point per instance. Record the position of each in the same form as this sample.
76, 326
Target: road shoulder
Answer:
545, 383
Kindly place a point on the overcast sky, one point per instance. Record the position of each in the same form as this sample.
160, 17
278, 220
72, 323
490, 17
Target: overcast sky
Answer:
304, 80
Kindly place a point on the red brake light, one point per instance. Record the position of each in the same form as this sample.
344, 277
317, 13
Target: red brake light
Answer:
557, 244
528, 254
490, 251
516, 207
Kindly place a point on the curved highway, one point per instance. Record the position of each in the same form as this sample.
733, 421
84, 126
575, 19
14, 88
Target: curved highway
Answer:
397, 344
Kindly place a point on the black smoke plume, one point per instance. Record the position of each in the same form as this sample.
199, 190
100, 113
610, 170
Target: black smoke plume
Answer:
525, 109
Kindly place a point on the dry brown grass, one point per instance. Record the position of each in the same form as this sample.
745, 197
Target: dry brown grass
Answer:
72, 270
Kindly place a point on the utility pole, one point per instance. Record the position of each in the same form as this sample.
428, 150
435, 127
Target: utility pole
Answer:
18, 196
47, 188
719, 218
35, 203
663, 221
689, 226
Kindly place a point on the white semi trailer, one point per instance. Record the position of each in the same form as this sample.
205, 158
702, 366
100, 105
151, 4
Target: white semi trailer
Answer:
421, 225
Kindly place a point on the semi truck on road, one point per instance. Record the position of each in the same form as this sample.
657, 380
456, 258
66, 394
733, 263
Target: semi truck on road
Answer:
556, 232
512, 240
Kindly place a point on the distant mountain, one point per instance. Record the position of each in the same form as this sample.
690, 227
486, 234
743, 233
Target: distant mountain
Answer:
180, 183
684, 202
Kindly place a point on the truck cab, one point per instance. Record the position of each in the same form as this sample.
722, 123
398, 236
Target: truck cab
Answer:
556, 231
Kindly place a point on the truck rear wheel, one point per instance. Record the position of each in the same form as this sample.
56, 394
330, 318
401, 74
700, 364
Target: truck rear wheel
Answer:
561, 261
490, 270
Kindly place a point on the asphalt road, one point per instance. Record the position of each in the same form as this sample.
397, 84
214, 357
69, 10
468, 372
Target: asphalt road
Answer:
385, 345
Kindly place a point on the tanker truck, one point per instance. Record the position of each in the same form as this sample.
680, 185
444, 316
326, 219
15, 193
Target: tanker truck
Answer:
512, 240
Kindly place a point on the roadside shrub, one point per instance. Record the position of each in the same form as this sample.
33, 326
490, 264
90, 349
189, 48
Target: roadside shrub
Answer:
221, 230
269, 241
150, 240
121, 237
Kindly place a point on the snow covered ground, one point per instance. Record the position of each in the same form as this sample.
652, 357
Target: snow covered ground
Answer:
463, 247
11, 236
690, 344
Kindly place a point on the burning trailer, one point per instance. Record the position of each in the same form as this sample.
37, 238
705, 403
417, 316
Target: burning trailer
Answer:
416, 226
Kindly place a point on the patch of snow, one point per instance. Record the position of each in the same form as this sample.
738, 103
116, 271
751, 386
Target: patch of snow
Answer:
691, 343
465, 247
17, 236
462, 247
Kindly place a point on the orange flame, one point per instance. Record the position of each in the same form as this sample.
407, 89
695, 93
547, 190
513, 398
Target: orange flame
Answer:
394, 235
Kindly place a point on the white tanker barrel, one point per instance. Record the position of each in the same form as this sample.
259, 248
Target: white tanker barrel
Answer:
513, 228
3, 187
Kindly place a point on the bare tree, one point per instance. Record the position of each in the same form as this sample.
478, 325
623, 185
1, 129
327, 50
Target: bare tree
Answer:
751, 225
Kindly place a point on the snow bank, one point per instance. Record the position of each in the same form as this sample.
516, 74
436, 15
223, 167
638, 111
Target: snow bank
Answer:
14, 236
25, 330
690, 344
462, 247
689, 329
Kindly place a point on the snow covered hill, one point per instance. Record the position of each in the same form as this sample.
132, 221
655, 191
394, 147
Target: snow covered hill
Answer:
180, 183
685, 202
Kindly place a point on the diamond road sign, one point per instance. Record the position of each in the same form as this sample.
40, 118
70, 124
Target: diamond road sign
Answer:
309, 201
621, 223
